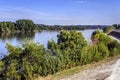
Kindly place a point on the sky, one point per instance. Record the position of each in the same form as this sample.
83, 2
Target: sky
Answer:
62, 12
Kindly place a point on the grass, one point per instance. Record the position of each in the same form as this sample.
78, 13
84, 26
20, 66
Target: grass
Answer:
75, 70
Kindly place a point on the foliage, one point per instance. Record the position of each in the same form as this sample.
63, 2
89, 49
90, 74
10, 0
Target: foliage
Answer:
32, 59
112, 45
116, 26
25, 25
7, 26
108, 29
20, 25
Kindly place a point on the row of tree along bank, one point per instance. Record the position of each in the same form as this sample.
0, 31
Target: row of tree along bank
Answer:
20, 25
32, 59
26, 25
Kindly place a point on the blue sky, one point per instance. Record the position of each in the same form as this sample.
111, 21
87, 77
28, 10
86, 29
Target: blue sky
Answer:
63, 12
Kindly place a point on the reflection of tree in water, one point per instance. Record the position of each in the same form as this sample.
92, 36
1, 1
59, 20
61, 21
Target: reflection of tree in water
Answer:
18, 36
26, 35
5, 36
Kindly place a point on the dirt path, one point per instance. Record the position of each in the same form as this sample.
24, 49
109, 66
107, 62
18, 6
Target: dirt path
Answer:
101, 72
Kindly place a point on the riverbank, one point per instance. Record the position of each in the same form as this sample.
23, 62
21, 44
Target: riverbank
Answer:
94, 71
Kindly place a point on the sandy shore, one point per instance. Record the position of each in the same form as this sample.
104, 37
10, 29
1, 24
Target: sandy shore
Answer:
101, 72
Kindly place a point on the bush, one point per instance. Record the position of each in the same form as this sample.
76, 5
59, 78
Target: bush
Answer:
23, 63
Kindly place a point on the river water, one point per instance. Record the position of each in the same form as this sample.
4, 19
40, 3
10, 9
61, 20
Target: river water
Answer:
39, 37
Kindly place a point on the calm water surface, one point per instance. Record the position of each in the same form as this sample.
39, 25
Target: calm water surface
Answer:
40, 37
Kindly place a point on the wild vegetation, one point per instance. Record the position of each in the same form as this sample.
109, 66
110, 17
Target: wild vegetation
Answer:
67, 27
32, 59
117, 26
26, 25
20, 25
108, 29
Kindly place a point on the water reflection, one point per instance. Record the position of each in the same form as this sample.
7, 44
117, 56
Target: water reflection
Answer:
4, 36
18, 36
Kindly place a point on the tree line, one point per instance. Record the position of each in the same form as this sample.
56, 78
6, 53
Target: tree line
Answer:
32, 60
26, 25
20, 25
68, 27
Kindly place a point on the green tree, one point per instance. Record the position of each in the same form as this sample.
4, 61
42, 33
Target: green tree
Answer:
108, 29
25, 25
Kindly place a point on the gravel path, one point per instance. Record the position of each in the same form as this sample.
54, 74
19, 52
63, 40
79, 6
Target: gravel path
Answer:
101, 72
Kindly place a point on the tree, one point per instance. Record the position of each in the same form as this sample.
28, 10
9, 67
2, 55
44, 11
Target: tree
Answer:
103, 50
108, 29
25, 25
11, 26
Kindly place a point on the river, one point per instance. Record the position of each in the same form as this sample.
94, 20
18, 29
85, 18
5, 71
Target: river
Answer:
39, 37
